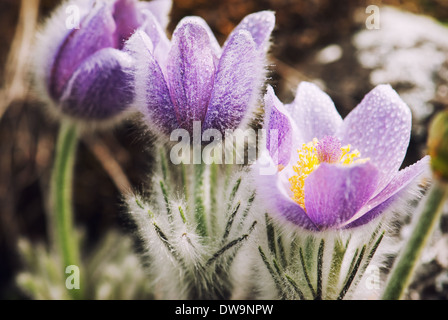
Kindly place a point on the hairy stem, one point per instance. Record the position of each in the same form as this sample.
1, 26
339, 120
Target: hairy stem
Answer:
199, 200
61, 198
406, 263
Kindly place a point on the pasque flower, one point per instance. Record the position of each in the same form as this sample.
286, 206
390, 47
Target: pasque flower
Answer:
192, 78
333, 173
84, 69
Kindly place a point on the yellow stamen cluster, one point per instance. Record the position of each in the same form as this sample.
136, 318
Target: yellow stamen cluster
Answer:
309, 161
306, 164
348, 157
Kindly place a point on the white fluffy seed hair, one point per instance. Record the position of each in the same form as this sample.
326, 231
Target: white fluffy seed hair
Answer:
50, 35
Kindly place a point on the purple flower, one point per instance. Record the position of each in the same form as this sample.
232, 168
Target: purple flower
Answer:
83, 68
191, 78
334, 173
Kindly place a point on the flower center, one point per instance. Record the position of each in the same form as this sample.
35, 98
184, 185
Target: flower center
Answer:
312, 154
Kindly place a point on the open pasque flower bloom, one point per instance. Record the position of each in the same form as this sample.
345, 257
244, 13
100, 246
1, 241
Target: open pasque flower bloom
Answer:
333, 173
83, 68
192, 78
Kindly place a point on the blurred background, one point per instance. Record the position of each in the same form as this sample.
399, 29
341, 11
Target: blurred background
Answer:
330, 43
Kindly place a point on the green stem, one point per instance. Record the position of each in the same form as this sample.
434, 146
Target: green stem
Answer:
214, 180
199, 199
61, 193
185, 182
403, 270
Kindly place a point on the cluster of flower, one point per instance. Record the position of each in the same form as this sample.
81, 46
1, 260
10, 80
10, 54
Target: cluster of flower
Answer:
330, 177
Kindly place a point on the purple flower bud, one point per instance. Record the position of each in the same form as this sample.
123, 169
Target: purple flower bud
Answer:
191, 78
438, 145
334, 173
83, 67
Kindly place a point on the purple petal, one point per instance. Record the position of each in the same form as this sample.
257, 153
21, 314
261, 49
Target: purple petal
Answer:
237, 83
260, 26
379, 127
159, 8
127, 19
190, 72
271, 191
96, 32
314, 113
101, 87
372, 214
161, 44
386, 197
152, 95
214, 44
279, 128
334, 193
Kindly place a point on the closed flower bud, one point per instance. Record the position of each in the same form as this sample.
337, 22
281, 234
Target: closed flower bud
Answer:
191, 78
82, 66
438, 145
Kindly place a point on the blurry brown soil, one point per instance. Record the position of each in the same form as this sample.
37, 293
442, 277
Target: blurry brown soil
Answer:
27, 135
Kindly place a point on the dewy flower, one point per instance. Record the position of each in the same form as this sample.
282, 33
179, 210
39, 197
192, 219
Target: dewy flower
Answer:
190, 78
83, 68
332, 173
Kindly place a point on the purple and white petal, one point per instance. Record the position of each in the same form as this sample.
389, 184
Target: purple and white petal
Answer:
159, 8
373, 213
96, 32
160, 42
190, 72
400, 182
152, 95
127, 19
314, 113
101, 87
271, 191
214, 44
51, 37
379, 127
237, 84
278, 129
260, 26
334, 193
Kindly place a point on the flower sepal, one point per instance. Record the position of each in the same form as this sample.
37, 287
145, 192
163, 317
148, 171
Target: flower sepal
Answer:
317, 266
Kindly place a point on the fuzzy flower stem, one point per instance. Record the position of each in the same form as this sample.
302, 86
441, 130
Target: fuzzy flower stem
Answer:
214, 180
61, 193
198, 199
401, 275
184, 182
